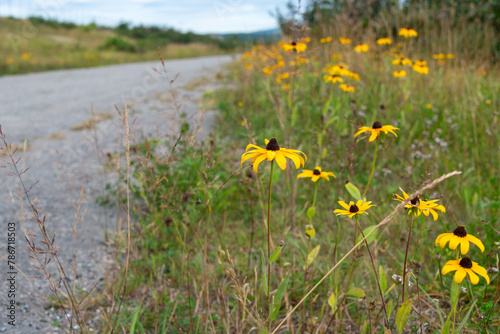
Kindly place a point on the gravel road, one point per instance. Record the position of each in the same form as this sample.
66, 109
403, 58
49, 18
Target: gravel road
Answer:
46, 115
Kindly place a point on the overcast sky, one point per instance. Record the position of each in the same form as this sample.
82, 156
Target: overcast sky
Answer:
201, 16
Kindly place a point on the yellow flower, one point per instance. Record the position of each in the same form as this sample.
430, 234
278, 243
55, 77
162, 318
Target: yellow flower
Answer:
332, 78
347, 88
488, 102
336, 56
294, 46
459, 237
439, 56
384, 41
326, 40
429, 106
9, 61
376, 129
399, 74
267, 70
450, 56
420, 66
361, 48
25, 56
315, 174
272, 152
407, 61
344, 40
464, 267
352, 209
240, 104
419, 206
407, 33
248, 66
286, 87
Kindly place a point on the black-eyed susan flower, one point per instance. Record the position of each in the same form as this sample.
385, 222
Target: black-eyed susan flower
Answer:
420, 66
295, 46
325, 40
464, 267
344, 40
384, 41
459, 237
399, 74
362, 48
272, 152
376, 129
315, 174
352, 209
407, 33
418, 206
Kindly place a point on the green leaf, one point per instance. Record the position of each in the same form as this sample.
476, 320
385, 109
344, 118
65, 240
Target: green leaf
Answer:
353, 190
446, 327
403, 315
390, 308
263, 330
311, 212
356, 292
264, 276
278, 296
311, 256
365, 326
382, 279
462, 324
371, 237
276, 253
332, 301
454, 292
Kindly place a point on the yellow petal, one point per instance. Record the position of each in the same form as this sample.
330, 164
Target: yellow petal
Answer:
473, 277
257, 161
315, 178
460, 275
249, 146
344, 205
445, 238
475, 241
305, 173
266, 141
270, 155
454, 241
245, 157
361, 130
449, 267
280, 159
464, 246
297, 159
374, 135
480, 271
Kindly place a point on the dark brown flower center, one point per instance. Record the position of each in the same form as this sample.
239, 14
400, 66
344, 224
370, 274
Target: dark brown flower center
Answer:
294, 43
377, 125
415, 201
353, 209
465, 263
460, 232
273, 145
316, 171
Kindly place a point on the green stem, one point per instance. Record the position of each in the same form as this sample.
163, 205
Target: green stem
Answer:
315, 193
420, 234
406, 258
304, 287
373, 168
374, 272
269, 248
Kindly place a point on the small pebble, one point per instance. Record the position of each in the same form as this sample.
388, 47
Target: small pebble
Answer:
3, 329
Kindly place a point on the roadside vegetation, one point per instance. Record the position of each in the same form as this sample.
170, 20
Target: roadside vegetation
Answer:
40, 44
351, 185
